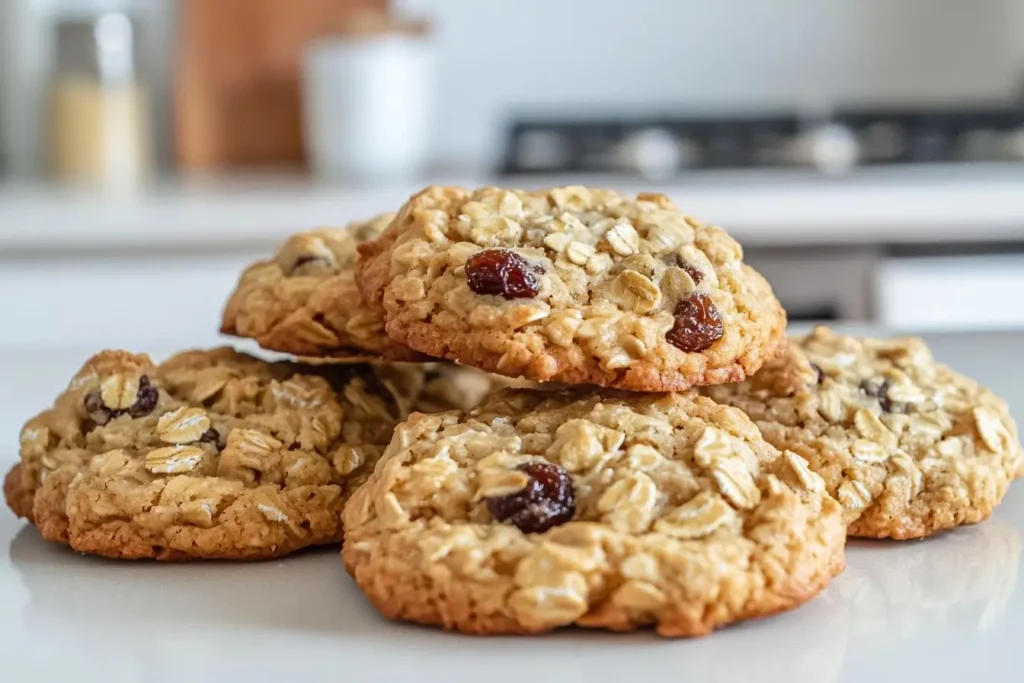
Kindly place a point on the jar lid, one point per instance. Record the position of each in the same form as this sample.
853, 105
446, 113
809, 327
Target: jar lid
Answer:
368, 23
102, 48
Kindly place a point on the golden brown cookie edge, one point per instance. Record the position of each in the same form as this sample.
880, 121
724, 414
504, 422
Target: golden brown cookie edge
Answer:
416, 598
284, 336
18, 498
125, 542
558, 365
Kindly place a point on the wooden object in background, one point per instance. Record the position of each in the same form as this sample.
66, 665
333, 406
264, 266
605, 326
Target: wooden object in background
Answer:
237, 95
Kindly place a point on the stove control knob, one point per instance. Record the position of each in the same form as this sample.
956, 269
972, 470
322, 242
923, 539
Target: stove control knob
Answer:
1013, 144
654, 153
542, 150
830, 148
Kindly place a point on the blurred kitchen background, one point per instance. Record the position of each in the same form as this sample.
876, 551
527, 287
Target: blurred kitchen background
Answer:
869, 154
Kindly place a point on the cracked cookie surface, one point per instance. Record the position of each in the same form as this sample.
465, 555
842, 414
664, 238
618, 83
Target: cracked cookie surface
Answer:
571, 285
305, 301
214, 454
908, 446
546, 509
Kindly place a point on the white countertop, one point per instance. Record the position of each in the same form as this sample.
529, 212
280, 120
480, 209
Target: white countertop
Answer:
920, 204
943, 610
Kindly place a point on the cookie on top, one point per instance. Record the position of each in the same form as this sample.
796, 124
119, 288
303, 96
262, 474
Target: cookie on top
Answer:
571, 285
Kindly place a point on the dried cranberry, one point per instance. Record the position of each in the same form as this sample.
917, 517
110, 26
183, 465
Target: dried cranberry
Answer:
211, 435
691, 270
547, 500
504, 272
878, 388
96, 409
146, 399
698, 324
874, 387
819, 371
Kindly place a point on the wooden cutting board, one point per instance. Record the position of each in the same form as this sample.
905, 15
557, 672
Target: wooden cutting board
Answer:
237, 101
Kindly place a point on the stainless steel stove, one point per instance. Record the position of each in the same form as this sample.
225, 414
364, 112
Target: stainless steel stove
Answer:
661, 147
882, 281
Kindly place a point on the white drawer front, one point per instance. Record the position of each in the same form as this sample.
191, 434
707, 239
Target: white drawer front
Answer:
136, 304
952, 292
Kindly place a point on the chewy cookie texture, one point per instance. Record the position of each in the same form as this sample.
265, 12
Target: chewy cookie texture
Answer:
571, 285
908, 446
214, 454
305, 301
541, 510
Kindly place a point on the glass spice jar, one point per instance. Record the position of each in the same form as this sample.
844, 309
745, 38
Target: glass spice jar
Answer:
99, 132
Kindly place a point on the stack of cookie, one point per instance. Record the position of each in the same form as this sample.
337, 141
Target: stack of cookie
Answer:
671, 462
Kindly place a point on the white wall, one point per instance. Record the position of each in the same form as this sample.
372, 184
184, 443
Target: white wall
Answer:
496, 55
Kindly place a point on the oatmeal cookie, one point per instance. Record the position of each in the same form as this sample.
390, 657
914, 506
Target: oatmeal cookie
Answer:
214, 454
572, 285
906, 445
545, 509
305, 301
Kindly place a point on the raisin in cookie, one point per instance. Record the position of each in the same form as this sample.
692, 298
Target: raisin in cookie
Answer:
305, 301
908, 446
213, 454
545, 509
572, 285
